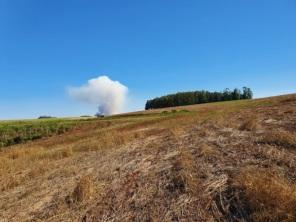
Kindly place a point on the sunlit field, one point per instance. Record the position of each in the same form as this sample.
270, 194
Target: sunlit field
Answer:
225, 161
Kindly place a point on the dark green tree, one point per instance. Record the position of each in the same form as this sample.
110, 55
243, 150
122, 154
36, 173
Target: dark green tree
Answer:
197, 97
247, 93
236, 94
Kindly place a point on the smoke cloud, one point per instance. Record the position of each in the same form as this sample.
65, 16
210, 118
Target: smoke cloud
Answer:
103, 92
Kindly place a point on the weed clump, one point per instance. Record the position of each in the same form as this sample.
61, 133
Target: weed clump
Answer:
250, 124
67, 152
83, 190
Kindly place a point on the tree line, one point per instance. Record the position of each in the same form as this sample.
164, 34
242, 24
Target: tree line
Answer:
198, 97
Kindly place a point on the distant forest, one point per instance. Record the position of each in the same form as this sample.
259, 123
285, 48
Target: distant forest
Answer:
198, 97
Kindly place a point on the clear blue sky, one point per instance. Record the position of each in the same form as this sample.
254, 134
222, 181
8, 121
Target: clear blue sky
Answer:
153, 47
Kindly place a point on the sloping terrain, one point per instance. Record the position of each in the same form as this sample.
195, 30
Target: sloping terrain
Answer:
231, 161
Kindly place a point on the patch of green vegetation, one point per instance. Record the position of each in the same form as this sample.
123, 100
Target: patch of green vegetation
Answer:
15, 132
184, 111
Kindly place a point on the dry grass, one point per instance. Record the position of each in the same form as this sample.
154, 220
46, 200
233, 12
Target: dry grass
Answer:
84, 189
250, 124
183, 166
280, 138
185, 174
270, 196
208, 151
55, 154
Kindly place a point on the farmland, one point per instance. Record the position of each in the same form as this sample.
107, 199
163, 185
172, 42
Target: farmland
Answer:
225, 161
15, 132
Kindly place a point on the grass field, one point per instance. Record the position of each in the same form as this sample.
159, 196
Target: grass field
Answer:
15, 132
226, 161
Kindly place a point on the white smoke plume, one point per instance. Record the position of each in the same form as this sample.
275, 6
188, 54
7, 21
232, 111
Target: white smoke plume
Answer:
103, 92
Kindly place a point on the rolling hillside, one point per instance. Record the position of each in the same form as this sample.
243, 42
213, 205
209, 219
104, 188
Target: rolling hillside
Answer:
226, 161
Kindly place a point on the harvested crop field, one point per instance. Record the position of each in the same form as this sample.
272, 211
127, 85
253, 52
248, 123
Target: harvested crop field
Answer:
226, 161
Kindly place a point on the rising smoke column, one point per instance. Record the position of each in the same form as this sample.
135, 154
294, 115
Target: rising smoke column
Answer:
103, 92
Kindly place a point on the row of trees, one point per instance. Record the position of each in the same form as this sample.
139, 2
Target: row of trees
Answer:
198, 97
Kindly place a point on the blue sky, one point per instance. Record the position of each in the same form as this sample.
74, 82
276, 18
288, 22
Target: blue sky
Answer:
153, 47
